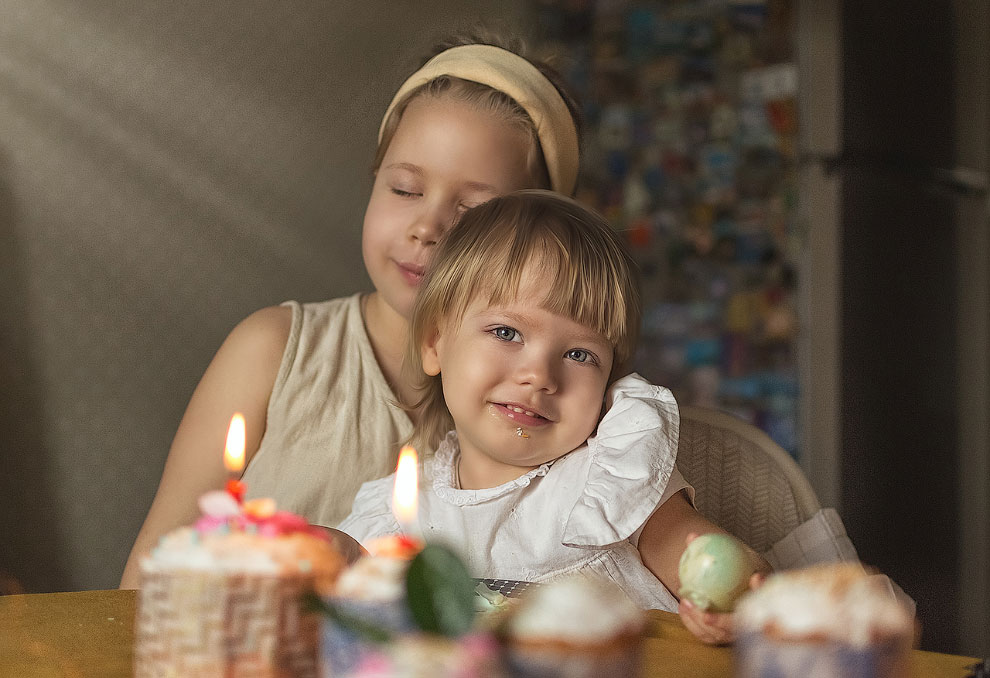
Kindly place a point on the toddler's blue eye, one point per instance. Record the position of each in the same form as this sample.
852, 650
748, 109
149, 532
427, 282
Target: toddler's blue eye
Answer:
505, 333
579, 355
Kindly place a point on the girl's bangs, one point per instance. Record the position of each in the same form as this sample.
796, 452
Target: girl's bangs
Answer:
575, 283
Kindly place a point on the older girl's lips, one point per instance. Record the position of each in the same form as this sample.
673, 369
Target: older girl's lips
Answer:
412, 273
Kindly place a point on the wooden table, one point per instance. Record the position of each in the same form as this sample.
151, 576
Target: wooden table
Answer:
90, 634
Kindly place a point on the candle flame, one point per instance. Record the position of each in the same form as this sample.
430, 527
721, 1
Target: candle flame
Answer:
233, 454
404, 495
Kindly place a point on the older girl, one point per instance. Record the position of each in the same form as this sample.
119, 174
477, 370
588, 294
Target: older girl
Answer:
318, 382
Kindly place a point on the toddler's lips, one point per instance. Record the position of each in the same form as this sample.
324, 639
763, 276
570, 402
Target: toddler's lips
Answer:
521, 416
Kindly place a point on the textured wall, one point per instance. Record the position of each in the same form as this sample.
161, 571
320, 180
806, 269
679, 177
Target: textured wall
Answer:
165, 169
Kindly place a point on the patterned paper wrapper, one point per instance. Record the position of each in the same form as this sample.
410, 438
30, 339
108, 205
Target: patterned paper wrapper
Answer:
623, 657
344, 651
757, 655
197, 624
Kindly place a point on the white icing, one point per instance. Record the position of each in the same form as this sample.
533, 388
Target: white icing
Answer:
577, 609
373, 578
848, 608
185, 549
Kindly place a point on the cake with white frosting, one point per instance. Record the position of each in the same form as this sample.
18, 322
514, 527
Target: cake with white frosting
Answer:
370, 592
374, 579
225, 596
575, 626
827, 620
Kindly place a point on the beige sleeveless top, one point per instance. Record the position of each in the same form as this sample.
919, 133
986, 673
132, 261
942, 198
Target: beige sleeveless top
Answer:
332, 424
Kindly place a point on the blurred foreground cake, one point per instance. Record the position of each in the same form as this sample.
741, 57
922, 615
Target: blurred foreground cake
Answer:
410, 610
432, 656
821, 622
372, 593
574, 627
225, 596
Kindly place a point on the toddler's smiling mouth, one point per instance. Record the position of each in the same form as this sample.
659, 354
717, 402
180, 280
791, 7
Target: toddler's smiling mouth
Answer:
522, 411
522, 415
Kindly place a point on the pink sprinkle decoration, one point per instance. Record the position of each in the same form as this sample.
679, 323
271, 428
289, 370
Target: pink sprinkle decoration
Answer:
222, 513
209, 524
289, 522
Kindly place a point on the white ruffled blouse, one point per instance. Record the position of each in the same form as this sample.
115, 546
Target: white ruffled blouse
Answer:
582, 512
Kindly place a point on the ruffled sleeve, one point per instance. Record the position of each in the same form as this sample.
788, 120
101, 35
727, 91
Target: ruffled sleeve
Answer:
631, 460
371, 515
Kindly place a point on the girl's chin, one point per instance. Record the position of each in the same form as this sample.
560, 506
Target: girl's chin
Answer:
402, 301
405, 310
400, 305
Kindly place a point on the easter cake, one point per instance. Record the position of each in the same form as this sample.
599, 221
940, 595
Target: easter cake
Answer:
409, 609
826, 620
574, 627
367, 605
225, 596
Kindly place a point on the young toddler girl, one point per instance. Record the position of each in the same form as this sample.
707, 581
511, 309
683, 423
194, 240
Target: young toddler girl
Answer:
525, 321
317, 382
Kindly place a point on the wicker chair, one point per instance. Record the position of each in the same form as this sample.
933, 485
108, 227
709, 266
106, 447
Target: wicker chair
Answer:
744, 481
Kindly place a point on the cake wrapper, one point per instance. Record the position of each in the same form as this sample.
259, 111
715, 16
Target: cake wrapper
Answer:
343, 649
551, 661
759, 656
196, 624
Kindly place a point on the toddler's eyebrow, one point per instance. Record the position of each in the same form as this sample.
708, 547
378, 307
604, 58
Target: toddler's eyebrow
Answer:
592, 337
586, 336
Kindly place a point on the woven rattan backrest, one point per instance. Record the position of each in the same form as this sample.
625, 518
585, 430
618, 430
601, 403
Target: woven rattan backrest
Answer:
744, 481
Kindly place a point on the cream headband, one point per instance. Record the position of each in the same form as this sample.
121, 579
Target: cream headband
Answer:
513, 75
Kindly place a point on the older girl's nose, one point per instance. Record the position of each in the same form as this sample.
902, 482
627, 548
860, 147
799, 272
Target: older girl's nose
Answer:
431, 224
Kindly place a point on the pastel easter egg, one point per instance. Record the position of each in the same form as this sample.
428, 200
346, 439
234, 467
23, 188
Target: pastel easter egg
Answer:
714, 571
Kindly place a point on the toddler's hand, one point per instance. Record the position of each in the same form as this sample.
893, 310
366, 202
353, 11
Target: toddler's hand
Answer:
713, 628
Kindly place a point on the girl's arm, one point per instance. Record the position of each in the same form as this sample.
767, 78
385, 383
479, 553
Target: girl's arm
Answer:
240, 378
663, 540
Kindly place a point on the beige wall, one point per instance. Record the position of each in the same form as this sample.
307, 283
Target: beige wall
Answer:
165, 169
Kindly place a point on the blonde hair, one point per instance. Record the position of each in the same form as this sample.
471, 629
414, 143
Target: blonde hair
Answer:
590, 279
486, 99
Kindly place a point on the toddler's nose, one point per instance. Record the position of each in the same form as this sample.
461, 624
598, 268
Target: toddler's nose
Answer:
538, 374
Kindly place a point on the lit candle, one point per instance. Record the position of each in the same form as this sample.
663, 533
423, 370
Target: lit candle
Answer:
233, 456
405, 492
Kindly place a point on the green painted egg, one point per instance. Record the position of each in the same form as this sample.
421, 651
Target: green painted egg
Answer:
714, 571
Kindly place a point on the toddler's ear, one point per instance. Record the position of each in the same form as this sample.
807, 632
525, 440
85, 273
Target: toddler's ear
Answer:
429, 354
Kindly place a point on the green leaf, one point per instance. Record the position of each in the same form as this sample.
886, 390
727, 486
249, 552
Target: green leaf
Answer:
440, 592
